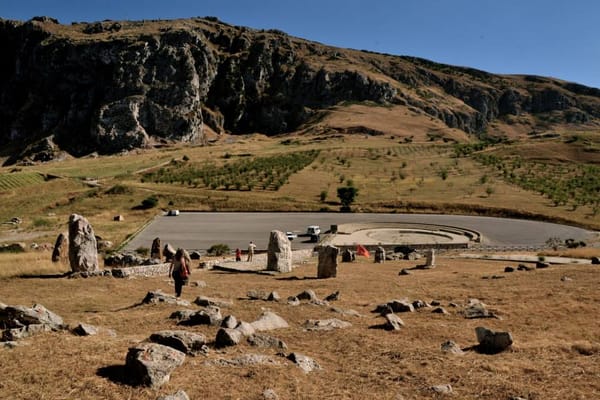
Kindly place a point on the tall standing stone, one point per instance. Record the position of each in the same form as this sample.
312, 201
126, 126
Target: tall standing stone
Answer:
83, 251
327, 267
156, 250
348, 256
430, 260
61, 248
279, 253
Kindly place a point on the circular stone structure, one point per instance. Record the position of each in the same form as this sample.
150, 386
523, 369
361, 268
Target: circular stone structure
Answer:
396, 234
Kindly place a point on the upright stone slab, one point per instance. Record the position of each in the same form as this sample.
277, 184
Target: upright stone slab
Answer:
61, 248
279, 253
83, 250
327, 267
156, 250
430, 260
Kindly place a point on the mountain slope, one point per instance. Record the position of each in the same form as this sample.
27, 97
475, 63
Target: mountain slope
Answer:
116, 86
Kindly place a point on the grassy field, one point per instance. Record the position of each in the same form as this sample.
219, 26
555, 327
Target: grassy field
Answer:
243, 174
555, 353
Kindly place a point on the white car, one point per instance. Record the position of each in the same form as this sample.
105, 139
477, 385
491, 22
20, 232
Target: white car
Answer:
313, 230
291, 235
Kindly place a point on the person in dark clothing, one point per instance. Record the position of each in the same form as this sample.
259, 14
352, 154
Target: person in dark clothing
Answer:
179, 270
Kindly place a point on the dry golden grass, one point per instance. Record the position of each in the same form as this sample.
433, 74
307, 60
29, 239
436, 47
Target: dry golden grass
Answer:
555, 354
30, 263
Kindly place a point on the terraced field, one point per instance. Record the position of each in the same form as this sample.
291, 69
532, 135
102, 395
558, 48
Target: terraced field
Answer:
10, 181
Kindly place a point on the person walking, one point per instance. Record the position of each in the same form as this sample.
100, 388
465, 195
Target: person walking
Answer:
238, 254
251, 247
179, 270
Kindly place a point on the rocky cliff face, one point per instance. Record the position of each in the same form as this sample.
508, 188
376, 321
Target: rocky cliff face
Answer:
115, 86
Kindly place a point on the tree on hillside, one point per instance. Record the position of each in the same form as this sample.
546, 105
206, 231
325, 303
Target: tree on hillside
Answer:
347, 195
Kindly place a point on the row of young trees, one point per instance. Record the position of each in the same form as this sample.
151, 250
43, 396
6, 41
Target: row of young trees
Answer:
266, 173
575, 185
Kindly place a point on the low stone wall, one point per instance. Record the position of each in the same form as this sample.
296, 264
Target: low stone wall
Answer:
142, 270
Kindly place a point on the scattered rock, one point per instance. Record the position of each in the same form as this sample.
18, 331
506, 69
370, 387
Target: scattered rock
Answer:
308, 294
478, 310
151, 364
417, 304
157, 297
187, 342
229, 322
523, 267
268, 321
305, 363
595, 260
509, 269
182, 315
566, 279
451, 347
245, 328
245, 360
279, 253
168, 252
228, 337
542, 265
180, 395
404, 271
209, 316
325, 324
9, 335
85, 330
20, 316
293, 301
491, 342
204, 301
269, 394
439, 310
256, 295
442, 389
333, 296
453, 305
350, 312
198, 284
83, 249
401, 306
195, 255
327, 264
393, 322
435, 303
266, 341
273, 296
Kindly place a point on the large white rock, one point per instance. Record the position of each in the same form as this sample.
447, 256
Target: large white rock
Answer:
279, 253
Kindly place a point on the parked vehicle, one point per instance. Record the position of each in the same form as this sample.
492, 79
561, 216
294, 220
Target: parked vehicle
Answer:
291, 235
313, 230
173, 213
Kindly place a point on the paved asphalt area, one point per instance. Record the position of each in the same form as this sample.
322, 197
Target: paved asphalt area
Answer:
199, 231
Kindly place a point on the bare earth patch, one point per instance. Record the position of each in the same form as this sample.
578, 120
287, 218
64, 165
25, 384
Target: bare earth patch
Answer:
553, 323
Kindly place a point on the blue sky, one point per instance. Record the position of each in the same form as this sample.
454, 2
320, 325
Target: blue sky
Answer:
556, 38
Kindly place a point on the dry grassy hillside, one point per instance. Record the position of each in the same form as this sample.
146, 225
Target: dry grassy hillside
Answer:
554, 356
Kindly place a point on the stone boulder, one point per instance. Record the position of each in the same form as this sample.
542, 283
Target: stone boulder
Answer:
393, 322
228, 337
305, 363
20, 316
179, 395
266, 341
308, 294
491, 342
325, 324
229, 322
151, 364
595, 260
327, 265
157, 297
61, 248
279, 253
204, 301
245, 328
83, 248
452, 348
190, 343
13, 334
209, 316
269, 321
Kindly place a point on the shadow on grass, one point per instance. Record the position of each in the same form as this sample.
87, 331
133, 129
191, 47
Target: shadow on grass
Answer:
114, 373
44, 276
296, 278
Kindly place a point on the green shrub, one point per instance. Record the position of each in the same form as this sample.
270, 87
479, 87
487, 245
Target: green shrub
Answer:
149, 202
219, 249
119, 189
142, 251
